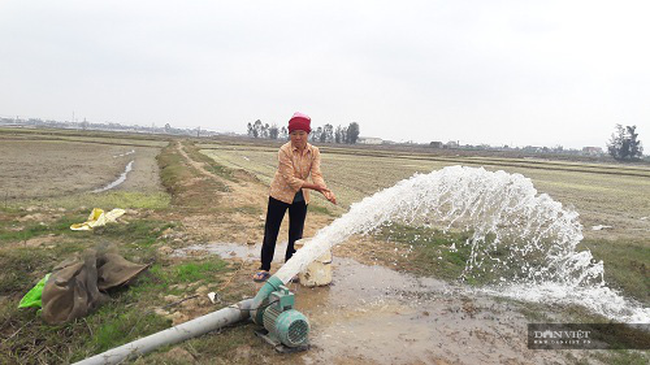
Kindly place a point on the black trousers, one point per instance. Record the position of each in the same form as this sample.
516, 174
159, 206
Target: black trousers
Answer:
274, 215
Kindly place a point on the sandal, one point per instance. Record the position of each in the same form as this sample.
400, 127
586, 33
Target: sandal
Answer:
261, 276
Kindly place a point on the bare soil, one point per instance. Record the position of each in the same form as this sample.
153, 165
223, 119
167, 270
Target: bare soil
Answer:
37, 169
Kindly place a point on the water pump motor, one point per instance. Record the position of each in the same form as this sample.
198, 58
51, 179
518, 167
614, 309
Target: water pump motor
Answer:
284, 327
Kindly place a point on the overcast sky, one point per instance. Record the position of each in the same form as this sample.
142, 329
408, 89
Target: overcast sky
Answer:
498, 72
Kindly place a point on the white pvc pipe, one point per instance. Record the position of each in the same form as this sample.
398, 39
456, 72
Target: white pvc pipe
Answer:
196, 327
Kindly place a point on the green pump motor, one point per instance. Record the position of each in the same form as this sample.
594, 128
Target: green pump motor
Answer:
273, 309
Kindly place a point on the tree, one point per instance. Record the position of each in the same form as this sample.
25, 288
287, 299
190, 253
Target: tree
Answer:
284, 133
353, 133
265, 131
315, 134
323, 136
328, 133
340, 136
258, 129
273, 131
624, 144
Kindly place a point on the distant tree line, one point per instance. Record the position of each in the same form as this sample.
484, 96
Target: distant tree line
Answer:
625, 144
324, 134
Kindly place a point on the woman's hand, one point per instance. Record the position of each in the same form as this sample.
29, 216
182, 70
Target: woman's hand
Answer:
329, 195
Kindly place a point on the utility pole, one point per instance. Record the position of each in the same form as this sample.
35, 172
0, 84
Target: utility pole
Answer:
198, 132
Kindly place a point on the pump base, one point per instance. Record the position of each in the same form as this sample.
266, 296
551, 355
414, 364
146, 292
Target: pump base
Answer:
277, 345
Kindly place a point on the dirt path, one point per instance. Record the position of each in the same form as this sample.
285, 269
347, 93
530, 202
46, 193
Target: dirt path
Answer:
245, 203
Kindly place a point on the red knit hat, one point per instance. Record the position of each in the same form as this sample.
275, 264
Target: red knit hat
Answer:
299, 122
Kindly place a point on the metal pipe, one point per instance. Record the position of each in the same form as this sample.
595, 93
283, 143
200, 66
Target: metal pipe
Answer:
196, 327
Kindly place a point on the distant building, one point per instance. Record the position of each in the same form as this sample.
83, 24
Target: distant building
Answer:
592, 151
452, 144
533, 149
436, 144
370, 140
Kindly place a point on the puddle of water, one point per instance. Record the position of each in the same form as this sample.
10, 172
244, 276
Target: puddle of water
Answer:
119, 180
124, 154
371, 313
231, 250
377, 315
600, 227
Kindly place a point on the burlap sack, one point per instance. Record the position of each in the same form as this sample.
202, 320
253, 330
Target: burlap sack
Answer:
75, 287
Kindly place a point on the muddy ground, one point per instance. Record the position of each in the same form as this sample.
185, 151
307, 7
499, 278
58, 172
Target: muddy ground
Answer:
371, 314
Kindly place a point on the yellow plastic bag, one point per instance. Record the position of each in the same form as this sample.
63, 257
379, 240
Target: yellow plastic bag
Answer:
98, 218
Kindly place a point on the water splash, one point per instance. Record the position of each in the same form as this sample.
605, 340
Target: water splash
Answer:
525, 240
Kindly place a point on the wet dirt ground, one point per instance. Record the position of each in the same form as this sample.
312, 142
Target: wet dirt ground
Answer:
375, 315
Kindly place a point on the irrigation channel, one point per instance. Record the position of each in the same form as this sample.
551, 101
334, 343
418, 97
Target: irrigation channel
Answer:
119, 180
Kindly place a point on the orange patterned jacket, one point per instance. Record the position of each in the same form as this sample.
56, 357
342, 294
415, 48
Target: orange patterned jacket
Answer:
293, 170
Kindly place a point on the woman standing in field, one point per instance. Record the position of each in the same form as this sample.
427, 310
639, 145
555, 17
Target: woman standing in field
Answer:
290, 190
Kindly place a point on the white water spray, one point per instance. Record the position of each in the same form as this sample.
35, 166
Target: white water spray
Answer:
525, 240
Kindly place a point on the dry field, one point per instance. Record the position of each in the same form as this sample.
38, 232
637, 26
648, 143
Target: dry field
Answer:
65, 170
616, 196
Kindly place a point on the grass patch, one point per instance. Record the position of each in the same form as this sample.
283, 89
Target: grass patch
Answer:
429, 250
193, 272
19, 266
118, 328
123, 319
109, 200
626, 265
235, 344
622, 357
127, 316
173, 170
138, 233
319, 209
432, 252
209, 164
189, 188
23, 265
11, 232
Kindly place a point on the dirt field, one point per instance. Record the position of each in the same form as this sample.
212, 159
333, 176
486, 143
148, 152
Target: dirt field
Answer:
56, 168
199, 222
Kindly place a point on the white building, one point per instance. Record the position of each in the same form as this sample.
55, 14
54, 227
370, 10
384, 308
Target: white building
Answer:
370, 140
